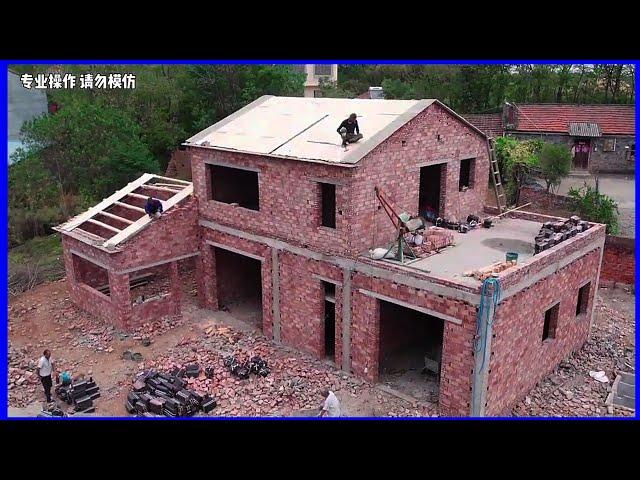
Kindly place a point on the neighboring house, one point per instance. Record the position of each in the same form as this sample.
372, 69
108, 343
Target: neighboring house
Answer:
489, 123
24, 104
374, 93
279, 224
315, 74
601, 137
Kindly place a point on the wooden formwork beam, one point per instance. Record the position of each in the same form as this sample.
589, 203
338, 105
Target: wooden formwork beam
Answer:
116, 217
104, 225
132, 207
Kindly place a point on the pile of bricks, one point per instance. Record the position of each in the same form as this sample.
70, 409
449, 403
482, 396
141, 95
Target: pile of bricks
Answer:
155, 393
492, 270
79, 394
553, 233
435, 238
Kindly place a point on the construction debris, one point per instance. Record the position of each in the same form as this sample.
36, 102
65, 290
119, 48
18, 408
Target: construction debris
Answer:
483, 273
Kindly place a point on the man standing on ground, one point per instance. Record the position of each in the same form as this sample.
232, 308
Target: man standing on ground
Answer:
153, 208
349, 130
45, 369
331, 405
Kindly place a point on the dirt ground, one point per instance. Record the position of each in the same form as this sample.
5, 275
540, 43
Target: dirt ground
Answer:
45, 318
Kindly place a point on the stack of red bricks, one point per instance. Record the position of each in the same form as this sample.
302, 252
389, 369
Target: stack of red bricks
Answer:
435, 238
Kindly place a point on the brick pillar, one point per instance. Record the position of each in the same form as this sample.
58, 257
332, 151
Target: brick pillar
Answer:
176, 288
121, 299
206, 277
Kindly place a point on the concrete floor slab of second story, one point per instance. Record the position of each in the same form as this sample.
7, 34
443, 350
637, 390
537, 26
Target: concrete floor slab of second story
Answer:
482, 247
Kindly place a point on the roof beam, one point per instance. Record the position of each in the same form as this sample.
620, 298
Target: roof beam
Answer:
185, 182
145, 221
132, 207
116, 217
162, 189
137, 195
104, 225
169, 185
107, 202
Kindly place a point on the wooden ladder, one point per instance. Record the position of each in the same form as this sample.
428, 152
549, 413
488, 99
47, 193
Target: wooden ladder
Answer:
501, 200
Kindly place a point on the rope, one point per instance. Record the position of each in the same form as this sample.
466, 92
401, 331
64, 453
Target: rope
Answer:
485, 311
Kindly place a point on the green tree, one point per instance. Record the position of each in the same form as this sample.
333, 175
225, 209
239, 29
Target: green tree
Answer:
88, 148
590, 204
519, 160
555, 164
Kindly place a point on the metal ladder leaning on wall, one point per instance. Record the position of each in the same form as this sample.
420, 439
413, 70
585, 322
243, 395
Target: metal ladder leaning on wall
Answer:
501, 200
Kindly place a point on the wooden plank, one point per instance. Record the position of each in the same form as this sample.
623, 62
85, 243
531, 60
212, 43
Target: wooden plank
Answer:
104, 225
116, 217
137, 195
169, 185
132, 207
144, 221
83, 217
90, 235
162, 189
173, 180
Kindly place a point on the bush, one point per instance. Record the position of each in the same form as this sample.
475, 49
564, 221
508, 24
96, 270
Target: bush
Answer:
555, 163
591, 205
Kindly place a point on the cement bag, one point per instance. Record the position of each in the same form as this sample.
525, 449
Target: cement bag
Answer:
378, 253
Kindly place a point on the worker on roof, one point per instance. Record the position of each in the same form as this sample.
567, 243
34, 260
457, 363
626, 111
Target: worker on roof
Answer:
349, 130
153, 208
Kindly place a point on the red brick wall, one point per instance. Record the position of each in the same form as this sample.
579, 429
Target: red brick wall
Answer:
289, 195
208, 282
539, 198
619, 262
159, 241
396, 169
519, 357
457, 351
89, 273
289, 199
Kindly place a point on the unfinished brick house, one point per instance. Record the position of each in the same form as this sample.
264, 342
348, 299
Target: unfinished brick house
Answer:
285, 220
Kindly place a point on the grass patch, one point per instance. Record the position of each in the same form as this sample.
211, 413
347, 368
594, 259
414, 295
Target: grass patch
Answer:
35, 261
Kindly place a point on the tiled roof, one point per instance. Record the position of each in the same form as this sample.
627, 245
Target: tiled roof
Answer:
489, 123
553, 117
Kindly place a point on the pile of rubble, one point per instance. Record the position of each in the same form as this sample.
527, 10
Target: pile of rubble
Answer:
288, 383
576, 387
553, 233
22, 381
158, 327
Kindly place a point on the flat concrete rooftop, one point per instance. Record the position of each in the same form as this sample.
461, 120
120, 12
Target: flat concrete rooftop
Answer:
480, 248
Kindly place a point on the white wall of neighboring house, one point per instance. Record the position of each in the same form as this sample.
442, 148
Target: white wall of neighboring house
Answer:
24, 104
316, 72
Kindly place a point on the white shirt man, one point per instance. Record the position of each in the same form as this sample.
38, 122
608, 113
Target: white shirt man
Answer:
45, 370
331, 406
45, 366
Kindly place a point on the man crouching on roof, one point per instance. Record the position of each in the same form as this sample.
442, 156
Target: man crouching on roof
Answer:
349, 130
153, 208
